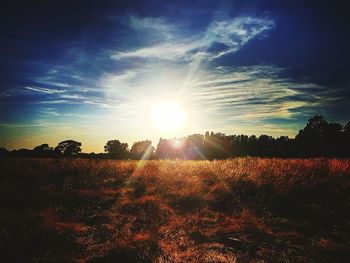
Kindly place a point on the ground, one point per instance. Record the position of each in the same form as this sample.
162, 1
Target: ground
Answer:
239, 210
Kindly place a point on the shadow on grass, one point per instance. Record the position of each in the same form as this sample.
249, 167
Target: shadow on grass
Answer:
140, 252
187, 204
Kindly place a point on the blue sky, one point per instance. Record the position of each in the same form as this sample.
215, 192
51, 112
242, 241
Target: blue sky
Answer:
91, 70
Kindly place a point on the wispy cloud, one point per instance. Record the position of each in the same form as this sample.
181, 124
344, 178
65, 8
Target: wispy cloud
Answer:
51, 96
235, 33
250, 93
148, 25
220, 38
167, 51
44, 90
27, 90
118, 80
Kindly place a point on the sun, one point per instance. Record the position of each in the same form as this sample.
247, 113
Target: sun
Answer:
168, 115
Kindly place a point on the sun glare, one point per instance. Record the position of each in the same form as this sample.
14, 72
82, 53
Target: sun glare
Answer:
168, 116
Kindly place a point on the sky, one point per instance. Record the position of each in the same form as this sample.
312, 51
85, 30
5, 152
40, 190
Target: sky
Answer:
92, 70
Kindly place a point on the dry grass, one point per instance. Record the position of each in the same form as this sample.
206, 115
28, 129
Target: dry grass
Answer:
239, 210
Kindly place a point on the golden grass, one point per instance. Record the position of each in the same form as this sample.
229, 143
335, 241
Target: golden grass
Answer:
238, 210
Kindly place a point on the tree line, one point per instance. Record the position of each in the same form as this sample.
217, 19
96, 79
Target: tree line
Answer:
318, 138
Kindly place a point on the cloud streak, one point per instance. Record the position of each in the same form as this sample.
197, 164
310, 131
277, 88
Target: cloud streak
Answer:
220, 38
151, 25
44, 90
254, 93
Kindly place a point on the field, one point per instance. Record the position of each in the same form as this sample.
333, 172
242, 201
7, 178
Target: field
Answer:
239, 210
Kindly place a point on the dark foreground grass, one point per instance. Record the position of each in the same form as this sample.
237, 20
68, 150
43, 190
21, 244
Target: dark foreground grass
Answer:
240, 210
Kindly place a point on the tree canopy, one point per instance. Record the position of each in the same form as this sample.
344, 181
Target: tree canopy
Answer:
142, 150
117, 149
68, 148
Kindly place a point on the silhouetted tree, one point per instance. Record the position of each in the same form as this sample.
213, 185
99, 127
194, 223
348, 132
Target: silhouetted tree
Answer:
345, 139
68, 148
346, 129
265, 145
194, 146
310, 139
116, 149
42, 147
283, 147
166, 149
332, 139
21, 153
4, 152
320, 138
142, 150
43, 150
317, 138
217, 146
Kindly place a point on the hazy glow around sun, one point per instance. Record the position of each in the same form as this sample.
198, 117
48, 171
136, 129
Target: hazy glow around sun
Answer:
168, 115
